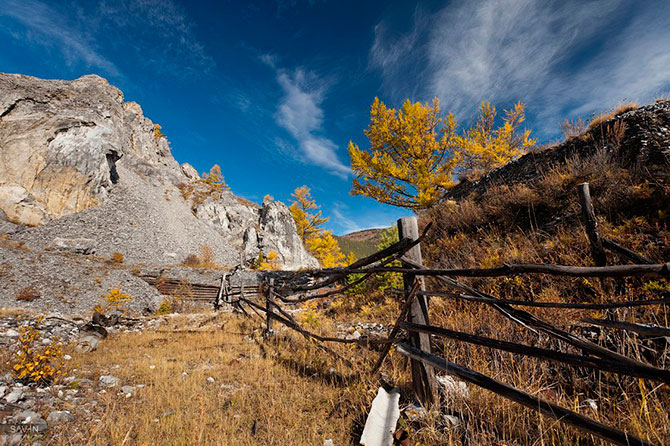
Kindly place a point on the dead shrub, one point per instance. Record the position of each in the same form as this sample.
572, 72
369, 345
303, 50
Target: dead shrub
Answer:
117, 257
28, 294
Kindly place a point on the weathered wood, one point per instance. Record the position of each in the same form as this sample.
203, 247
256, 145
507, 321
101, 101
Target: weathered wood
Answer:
423, 376
546, 408
396, 328
647, 372
643, 330
530, 321
573, 305
654, 270
591, 225
625, 252
268, 306
217, 302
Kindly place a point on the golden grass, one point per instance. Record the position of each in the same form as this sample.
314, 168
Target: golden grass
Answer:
618, 110
287, 393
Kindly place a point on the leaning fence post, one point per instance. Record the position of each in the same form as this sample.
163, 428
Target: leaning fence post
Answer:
591, 224
268, 307
423, 376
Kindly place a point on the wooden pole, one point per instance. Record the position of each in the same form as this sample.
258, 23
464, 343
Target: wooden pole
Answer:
591, 225
423, 376
217, 301
268, 308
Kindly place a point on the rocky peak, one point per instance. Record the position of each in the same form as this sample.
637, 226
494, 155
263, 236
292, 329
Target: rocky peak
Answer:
78, 162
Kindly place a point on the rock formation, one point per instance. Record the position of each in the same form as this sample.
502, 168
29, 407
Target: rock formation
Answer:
77, 163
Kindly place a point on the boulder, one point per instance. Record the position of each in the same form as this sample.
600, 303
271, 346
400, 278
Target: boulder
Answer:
75, 245
190, 172
108, 381
87, 344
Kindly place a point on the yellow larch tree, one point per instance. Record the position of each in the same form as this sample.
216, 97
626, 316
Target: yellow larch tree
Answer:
415, 151
483, 147
306, 213
411, 156
309, 222
215, 182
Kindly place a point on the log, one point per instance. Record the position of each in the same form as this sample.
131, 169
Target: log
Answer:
573, 305
535, 403
647, 372
643, 330
625, 252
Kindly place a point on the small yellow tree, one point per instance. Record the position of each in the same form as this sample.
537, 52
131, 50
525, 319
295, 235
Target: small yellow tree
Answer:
484, 147
215, 182
306, 213
309, 220
326, 250
271, 263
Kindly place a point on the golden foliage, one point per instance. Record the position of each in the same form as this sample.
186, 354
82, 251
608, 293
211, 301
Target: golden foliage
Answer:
606, 116
157, 132
214, 182
117, 299
306, 213
309, 220
271, 263
483, 147
35, 362
414, 151
117, 257
206, 259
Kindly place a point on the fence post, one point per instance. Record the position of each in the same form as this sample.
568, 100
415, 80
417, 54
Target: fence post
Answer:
591, 224
268, 306
423, 376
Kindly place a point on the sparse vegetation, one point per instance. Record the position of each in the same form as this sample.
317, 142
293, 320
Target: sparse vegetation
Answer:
205, 259
117, 257
117, 299
28, 294
36, 362
606, 116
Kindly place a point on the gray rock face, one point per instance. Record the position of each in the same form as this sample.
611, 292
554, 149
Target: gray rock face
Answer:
77, 164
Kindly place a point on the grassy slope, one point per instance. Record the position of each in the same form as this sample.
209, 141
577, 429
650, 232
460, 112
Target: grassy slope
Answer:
361, 243
521, 218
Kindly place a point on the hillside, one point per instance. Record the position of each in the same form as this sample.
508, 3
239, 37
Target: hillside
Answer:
361, 243
529, 211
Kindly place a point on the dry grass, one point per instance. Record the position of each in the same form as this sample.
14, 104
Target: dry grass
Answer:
28, 294
205, 259
285, 389
606, 116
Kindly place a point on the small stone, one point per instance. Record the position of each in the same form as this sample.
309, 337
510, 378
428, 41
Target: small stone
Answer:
210, 379
12, 333
167, 413
152, 367
328, 442
128, 390
452, 421
3, 390
108, 381
32, 418
14, 396
59, 416
355, 335
67, 357
87, 344
60, 394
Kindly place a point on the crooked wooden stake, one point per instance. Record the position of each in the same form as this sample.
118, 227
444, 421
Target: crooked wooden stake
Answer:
591, 225
423, 376
268, 306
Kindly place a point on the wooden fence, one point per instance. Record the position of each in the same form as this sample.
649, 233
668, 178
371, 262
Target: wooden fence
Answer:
412, 331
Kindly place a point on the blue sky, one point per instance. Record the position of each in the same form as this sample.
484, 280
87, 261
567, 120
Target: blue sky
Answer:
274, 90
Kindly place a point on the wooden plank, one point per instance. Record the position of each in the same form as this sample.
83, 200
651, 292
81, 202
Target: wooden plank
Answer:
535, 403
643, 330
268, 308
505, 270
591, 225
573, 305
647, 372
423, 376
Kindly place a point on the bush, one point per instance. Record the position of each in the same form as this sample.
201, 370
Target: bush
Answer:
205, 259
116, 299
28, 294
117, 257
37, 363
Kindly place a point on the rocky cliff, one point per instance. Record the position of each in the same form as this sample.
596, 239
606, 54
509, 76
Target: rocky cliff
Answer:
83, 170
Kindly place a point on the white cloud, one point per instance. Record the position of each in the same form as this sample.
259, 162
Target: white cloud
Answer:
300, 113
562, 58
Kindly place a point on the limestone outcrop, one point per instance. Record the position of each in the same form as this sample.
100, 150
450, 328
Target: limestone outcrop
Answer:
77, 162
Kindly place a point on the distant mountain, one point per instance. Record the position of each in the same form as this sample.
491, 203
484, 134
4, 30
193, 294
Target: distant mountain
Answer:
361, 243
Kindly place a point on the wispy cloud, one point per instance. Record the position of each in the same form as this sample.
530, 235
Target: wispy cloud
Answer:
560, 57
46, 26
301, 114
158, 32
